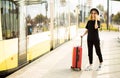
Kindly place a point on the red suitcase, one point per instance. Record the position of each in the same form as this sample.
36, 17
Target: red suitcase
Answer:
77, 57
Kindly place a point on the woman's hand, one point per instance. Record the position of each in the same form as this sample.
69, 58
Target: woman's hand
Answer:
97, 17
81, 36
96, 24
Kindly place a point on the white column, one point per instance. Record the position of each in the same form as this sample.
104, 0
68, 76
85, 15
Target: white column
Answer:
22, 28
52, 20
22, 16
69, 20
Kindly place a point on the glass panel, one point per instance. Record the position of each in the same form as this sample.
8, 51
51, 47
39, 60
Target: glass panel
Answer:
3, 19
61, 22
114, 13
73, 19
8, 25
16, 19
9, 20
37, 18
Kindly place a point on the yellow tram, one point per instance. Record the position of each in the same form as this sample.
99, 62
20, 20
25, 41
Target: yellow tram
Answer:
31, 28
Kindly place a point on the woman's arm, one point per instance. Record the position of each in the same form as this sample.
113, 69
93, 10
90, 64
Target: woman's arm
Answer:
85, 33
96, 22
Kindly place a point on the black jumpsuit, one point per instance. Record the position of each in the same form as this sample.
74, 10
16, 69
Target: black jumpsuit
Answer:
93, 39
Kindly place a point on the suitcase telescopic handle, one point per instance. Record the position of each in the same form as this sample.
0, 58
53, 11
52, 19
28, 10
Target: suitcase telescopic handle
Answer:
81, 41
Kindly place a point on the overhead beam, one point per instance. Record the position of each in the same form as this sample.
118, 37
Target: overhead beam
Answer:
30, 2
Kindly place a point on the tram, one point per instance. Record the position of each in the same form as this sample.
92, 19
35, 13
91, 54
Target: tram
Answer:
30, 29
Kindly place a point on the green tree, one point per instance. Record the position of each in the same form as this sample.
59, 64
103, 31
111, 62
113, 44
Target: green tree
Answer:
100, 7
40, 18
116, 18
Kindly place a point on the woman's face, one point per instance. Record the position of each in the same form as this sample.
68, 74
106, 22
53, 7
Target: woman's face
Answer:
93, 14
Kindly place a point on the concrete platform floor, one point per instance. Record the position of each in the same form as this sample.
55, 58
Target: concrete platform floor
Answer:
57, 63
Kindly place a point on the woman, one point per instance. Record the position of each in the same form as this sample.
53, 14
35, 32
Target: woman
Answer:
93, 37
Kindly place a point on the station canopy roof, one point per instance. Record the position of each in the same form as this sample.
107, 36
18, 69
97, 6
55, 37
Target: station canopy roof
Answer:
30, 2
115, 0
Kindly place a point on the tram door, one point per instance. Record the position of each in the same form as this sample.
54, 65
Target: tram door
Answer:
22, 55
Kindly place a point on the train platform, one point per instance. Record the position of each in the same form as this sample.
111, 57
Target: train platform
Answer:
57, 63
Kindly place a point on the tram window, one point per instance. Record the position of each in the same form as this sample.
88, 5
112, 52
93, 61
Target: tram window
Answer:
37, 19
9, 20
